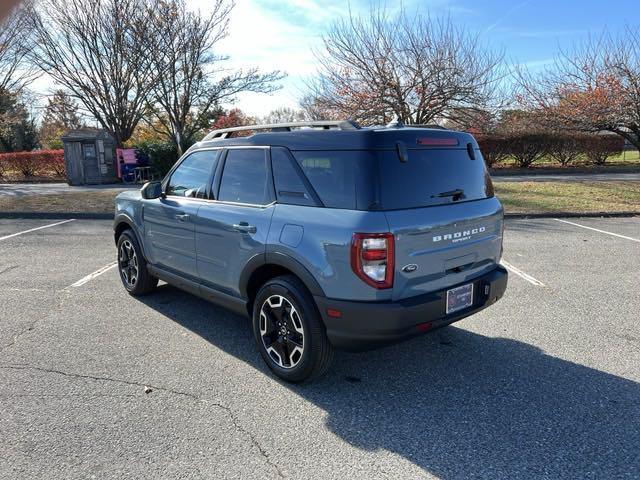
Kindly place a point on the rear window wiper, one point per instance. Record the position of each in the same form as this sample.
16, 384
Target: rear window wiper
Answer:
457, 194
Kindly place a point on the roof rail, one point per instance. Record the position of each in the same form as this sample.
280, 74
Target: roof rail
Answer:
285, 127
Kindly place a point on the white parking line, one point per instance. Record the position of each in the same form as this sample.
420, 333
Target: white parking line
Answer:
522, 274
34, 229
598, 230
93, 275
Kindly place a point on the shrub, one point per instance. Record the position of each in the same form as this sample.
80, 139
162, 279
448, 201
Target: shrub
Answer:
601, 147
566, 148
528, 148
30, 163
53, 160
494, 149
25, 163
162, 155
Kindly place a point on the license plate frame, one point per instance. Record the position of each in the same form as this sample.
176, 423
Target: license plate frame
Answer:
459, 298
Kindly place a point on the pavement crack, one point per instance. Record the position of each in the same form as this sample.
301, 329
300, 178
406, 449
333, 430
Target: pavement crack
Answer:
230, 413
28, 328
65, 395
251, 436
59, 303
99, 379
8, 269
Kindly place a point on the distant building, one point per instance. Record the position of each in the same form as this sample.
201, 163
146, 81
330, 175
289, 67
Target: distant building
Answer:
89, 157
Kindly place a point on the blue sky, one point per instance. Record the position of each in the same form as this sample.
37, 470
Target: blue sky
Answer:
280, 34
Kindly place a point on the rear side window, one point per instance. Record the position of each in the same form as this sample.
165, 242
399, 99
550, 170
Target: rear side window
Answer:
432, 177
290, 187
190, 178
244, 179
342, 179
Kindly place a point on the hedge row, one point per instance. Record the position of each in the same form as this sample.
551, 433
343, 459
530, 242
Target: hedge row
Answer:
30, 164
526, 149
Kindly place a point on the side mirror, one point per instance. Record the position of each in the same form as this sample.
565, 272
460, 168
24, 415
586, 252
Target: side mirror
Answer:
151, 190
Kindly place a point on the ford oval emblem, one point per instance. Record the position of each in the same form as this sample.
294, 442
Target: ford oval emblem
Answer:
412, 267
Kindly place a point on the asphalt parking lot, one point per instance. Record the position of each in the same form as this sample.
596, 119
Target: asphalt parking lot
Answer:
545, 384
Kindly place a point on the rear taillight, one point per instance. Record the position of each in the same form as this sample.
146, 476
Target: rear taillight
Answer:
372, 258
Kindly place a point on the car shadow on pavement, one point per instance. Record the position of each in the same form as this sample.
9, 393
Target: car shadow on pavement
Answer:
458, 404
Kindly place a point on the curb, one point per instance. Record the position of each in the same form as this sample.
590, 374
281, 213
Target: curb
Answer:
572, 214
576, 173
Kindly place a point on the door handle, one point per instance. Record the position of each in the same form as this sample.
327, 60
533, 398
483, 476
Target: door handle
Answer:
182, 217
244, 227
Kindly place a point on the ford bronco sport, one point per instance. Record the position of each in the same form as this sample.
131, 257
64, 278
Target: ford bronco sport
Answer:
325, 234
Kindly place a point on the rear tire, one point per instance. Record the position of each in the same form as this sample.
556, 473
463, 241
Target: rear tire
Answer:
132, 266
289, 332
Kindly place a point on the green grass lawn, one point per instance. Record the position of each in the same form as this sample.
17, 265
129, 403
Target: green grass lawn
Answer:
631, 156
581, 197
99, 201
517, 197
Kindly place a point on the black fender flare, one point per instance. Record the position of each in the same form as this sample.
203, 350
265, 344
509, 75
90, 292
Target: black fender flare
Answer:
126, 219
281, 260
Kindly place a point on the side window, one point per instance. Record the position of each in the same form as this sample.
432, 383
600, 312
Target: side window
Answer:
244, 179
192, 175
333, 175
289, 186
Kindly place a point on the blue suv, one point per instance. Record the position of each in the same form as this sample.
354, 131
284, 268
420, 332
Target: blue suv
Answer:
325, 234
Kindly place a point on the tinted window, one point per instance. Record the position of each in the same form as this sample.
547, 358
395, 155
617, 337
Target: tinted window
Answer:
192, 175
244, 179
289, 186
431, 177
337, 176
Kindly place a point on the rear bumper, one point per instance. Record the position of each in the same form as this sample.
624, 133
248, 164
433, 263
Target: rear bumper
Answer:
367, 325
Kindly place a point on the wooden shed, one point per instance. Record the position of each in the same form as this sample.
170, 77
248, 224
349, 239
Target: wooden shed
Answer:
90, 157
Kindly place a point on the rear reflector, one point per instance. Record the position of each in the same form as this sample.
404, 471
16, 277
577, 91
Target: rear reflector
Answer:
423, 327
332, 312
374, 255
439, 142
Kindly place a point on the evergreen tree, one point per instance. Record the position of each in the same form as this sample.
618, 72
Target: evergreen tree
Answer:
60, 116
18, 131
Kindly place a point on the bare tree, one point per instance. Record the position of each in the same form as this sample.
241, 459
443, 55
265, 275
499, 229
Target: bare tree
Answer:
315, 109
96, 50
594, 87
15, 71
193, 80
285, 115
377, 67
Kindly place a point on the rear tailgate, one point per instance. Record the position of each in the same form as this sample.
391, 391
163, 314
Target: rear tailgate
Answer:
440, 207
437, 247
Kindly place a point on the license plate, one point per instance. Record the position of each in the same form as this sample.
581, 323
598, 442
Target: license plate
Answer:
459, 298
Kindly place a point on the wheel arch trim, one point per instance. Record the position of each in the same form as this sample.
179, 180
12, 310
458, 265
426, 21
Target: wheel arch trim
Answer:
280, 260
123, 218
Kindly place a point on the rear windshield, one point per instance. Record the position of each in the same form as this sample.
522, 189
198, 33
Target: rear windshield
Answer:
378, 180
432, 177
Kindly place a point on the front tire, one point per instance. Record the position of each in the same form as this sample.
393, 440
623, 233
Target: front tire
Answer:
132, 266
289, 332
